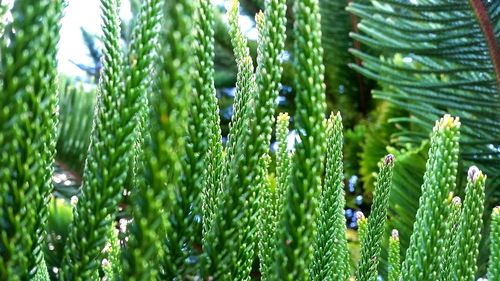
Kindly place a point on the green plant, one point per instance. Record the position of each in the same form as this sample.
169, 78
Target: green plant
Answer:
142, 129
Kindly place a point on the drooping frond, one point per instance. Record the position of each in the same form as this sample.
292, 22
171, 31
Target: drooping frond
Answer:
437, 57
348, 89
28, 116
423, 258
372, 239
331, 257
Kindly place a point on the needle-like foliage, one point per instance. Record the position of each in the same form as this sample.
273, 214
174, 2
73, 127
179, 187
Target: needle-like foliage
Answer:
371, 243
494, 265
394, 257
206, 110
107, 162
142, 249
156, 200
299, 222
450, 237
28, 115
268, 216
331, 257
232, 231
469, 231
423, 257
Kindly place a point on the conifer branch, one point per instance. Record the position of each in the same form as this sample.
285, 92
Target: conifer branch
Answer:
267, 221
138, 258
471, 221
394, 257
424, 259
371, 244
331, 257
299, 222
283, 160
107, 162
494, 263
165, 147
450, 237
28, 116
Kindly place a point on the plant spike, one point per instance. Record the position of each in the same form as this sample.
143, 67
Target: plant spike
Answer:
138, 257
202, 115
283, 159
155, 198
494, 263
41, 274
267, 221
362, 227
394, 257
140, 59
331, 257
271, 27
469, 232
226, 256
206, 97
248, 142
107, 163
370, 250
111, 263
450, 238
424, 259
298, 226
28, 116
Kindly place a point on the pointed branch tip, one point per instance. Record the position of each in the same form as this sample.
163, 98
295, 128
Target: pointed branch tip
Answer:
389, 159
395, 234
473, 174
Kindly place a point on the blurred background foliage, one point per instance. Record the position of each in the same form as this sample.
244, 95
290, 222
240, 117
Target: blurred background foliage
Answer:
389, 86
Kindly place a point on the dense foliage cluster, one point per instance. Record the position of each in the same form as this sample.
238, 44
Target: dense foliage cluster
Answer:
191, 207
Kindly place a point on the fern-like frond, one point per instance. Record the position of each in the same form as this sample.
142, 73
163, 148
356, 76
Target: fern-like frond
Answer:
436, 57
